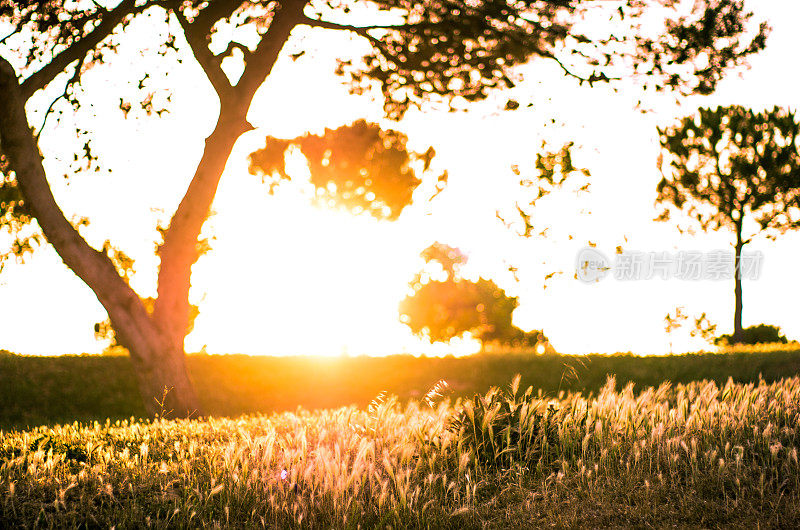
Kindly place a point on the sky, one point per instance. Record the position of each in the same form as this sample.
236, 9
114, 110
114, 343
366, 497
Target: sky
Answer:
284, 277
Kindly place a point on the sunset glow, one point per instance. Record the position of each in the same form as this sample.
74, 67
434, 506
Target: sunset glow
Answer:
285, 277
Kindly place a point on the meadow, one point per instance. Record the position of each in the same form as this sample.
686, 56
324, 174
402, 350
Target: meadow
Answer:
686, 455
38, 390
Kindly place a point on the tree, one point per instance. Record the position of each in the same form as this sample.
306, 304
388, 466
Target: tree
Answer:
735, 169
444, 50
444, 305
104, 331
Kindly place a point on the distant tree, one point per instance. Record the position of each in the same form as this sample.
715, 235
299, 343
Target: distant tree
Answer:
444, 305
736, 169
446, 51
517, 339
760, 334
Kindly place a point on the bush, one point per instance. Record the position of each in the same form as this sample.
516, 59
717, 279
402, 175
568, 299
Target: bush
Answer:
760, 334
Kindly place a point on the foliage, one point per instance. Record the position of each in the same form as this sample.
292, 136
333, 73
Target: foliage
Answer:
674, 320
735, 169
554, 170
516, 339
455, 51
703, 328
442, 310
444, 307
760, 334
420, 51
359, 166
723, 165
15, 218
451, 259
703, 453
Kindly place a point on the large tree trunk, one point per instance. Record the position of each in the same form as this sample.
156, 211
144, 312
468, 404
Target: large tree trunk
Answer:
160, 366
179, 251
155, 342
738, 332
165, 385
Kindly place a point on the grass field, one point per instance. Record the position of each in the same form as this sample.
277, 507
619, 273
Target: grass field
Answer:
47, 390
685, 456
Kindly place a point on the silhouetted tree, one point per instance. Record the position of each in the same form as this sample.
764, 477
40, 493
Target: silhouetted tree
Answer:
736, 169
444, 50
104, 331
760, 334
444, 305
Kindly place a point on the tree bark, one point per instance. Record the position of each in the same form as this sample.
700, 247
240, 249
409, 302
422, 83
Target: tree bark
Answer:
179, 251
738, 332
164, 384
155, 342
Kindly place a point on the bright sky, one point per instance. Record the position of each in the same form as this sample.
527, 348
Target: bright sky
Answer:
286, 278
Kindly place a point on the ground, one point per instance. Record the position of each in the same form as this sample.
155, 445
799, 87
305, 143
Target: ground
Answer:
702, 454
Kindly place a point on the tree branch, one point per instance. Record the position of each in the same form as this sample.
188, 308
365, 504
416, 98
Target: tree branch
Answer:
79, 49
210, 64
594, 78
75, 76
262, 60
233, 45
93, 267
213, 12
179, 251
361, 31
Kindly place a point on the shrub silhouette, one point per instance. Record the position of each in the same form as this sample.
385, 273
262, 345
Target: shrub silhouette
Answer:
760, 334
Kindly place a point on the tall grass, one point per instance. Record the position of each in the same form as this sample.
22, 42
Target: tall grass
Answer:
687, 455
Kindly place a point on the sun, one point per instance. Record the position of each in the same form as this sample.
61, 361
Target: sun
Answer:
284, 276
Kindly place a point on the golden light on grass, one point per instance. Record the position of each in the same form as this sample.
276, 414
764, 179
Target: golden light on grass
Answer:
429, 463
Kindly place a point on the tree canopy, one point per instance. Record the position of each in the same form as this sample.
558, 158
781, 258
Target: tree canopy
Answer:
361, 167
727, 165
444, 305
